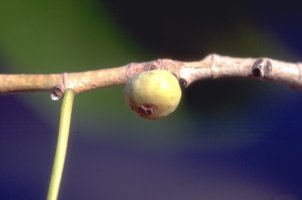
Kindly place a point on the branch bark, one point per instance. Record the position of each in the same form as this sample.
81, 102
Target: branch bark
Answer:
211, 67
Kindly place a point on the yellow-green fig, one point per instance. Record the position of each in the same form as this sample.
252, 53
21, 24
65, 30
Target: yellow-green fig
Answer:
153, 94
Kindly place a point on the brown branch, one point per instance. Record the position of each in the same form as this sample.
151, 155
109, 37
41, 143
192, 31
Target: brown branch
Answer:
211, 67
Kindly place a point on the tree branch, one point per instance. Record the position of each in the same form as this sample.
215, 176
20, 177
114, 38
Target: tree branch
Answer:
211, 67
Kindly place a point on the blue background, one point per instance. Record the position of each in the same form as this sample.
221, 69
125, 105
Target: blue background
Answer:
229, 139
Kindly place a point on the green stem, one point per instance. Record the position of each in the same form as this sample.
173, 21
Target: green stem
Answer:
62, 143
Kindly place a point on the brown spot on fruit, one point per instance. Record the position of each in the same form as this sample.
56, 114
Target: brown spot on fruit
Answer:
145, 109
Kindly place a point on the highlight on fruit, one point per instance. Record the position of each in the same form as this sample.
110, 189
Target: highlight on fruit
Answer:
153, 94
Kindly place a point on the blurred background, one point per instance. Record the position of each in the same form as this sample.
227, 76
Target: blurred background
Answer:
229, 139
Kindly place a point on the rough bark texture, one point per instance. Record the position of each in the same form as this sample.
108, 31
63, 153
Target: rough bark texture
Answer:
211, 67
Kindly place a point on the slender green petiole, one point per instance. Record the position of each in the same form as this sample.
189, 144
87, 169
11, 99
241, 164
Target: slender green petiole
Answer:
62, 143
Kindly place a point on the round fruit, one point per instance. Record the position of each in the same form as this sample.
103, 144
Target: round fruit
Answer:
153, 94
